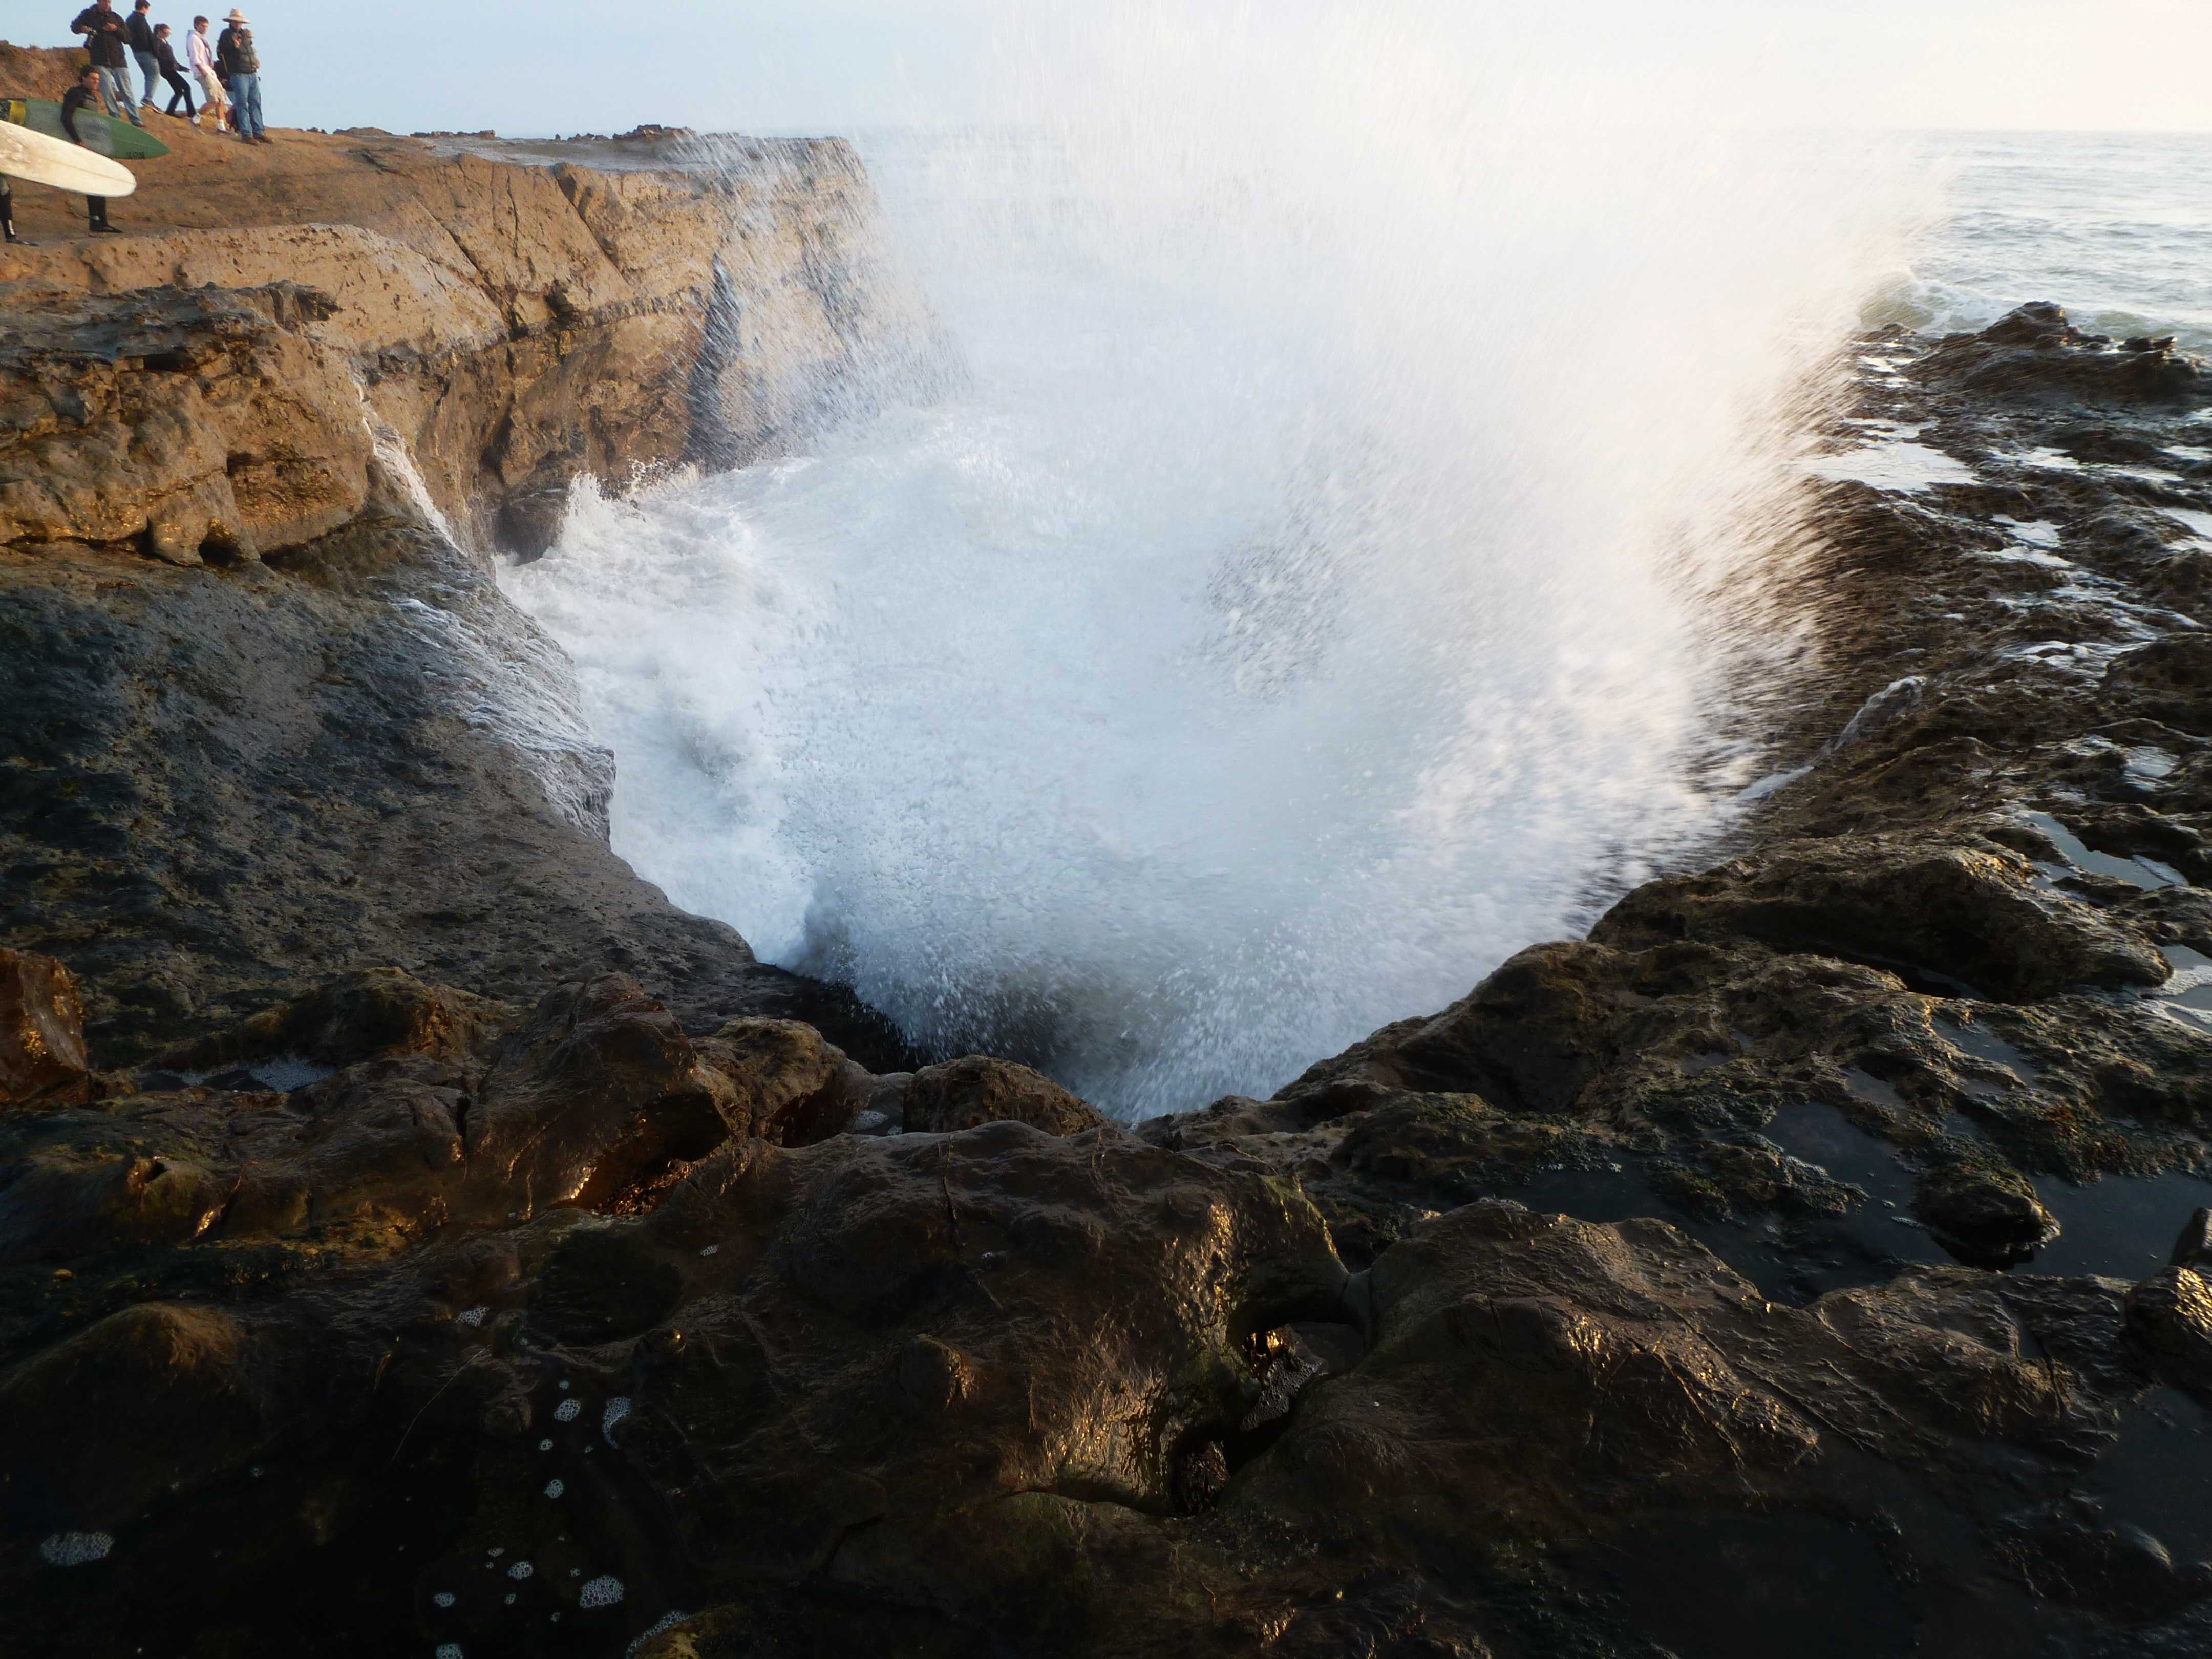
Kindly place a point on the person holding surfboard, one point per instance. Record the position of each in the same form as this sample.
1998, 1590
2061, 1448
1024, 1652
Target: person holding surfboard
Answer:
73, 101
65, 161
103, 43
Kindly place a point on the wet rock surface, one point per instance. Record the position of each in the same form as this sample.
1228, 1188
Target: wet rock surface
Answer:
482, 1257
42, 1053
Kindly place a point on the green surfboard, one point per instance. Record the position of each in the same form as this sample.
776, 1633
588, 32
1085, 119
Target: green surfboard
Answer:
102, 132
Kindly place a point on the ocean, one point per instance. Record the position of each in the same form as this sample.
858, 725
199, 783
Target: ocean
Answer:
1327, 560
2115, 227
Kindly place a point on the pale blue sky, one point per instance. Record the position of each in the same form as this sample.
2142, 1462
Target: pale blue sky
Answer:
565, 65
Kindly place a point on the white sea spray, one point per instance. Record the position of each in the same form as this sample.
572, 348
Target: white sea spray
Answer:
1319, 580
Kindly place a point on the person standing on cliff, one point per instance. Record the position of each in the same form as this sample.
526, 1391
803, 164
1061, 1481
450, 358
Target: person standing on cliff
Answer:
103, 43
138, 30
78, 99
242, 70
180, 90
201, 51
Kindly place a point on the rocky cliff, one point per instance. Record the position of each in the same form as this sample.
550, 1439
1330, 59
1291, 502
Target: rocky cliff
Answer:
519, 316
268, 715
415, 1236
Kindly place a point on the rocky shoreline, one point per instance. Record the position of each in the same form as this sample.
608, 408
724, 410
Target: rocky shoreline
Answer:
417, 1236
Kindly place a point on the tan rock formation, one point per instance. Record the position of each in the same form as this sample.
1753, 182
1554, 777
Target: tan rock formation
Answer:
518, 318
184, 420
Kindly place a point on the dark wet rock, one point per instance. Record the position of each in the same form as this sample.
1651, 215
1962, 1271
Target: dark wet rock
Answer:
961, 1094
1988, 1215
2169, 680
1078, 1392
374, 1013
2193, 1249
888, 1333
2172, 1312
1432, 1144
596, 1098
375, 1150
792, 1086
62, 1198
1529, 1035
158, 1397
1968, 917
597, 1101
599, 1284
304, 800
941, 1257
2036, 353
42, 1053
2072, 1552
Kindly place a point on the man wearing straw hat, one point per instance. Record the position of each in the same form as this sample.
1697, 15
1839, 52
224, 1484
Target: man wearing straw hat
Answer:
242, 68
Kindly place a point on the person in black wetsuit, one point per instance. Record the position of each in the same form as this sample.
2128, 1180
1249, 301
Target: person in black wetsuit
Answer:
85, 95
8, 210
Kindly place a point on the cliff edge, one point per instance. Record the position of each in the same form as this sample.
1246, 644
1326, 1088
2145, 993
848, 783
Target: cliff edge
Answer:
269, 716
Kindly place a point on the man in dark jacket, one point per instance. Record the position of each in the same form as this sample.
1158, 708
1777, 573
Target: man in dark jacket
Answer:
138, 30
241, 73
171, 72
74, 102
102, 29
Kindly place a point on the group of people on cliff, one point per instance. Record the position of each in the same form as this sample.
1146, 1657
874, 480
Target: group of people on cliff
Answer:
227, 67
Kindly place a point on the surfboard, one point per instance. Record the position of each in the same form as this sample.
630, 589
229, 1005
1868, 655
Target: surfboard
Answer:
43, 161
101, 132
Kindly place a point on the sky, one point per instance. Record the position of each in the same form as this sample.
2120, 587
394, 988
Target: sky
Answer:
836, 65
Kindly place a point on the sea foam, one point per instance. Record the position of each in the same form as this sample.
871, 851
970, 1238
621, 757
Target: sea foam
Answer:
1330, 564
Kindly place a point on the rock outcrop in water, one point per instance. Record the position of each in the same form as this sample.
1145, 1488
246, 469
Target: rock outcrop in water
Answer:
417, 1236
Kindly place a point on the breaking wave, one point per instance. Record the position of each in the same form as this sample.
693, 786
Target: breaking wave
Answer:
1333, 567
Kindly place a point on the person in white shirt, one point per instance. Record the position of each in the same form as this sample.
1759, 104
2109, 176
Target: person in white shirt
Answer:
204, 71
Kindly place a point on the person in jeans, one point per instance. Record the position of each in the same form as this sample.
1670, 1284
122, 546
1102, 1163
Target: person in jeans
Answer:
138, 30
103, 43
241, 71
201, 52
90, 84
180, 90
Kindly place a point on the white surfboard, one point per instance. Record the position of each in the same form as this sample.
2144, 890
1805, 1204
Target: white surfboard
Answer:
42, 160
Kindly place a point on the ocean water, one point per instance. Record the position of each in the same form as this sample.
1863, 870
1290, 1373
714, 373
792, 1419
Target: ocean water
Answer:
1337, 561
2116, 226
